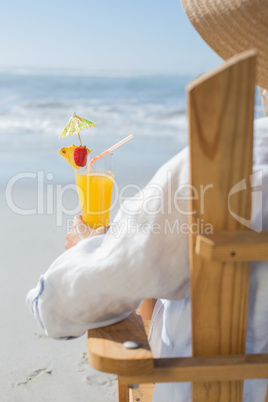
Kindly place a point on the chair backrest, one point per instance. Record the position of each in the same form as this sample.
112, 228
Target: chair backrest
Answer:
221, 109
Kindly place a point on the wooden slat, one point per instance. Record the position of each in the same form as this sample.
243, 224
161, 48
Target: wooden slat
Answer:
205, 369
123, 392
220, 108
146, 324
145, 391
107, 353
142, 394
233, 246
146, 309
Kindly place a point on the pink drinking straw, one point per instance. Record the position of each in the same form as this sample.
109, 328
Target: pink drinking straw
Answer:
118, 144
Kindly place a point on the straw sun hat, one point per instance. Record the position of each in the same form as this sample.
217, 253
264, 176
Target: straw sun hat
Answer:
231, 26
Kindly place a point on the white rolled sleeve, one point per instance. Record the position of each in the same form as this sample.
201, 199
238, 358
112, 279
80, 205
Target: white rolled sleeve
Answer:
102, 279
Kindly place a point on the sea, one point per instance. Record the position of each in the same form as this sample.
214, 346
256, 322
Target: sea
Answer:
35, 105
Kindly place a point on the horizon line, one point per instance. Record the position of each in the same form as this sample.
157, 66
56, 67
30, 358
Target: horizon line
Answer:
67, 71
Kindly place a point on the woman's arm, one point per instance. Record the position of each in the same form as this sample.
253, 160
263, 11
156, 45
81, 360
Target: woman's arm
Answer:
143, 255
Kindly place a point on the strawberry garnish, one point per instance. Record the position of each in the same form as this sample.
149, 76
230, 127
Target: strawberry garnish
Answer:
80, 156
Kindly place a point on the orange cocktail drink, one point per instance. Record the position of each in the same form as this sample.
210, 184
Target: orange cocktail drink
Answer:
95, 189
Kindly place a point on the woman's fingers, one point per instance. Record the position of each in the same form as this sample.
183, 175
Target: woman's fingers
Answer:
78, 219
101, 230
81, 231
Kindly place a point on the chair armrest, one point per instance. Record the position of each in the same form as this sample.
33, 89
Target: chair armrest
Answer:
233, 246
204, 369
107, 353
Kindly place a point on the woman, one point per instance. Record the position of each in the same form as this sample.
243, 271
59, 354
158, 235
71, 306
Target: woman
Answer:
101, 278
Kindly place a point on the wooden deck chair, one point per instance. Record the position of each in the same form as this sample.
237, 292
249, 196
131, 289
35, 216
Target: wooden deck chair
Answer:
220, 108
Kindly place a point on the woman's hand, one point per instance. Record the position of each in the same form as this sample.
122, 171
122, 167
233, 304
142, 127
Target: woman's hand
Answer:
80, 231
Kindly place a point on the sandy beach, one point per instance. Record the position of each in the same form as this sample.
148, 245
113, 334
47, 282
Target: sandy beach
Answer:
33, 367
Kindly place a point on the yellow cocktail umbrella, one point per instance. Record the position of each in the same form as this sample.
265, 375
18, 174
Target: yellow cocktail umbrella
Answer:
74, 125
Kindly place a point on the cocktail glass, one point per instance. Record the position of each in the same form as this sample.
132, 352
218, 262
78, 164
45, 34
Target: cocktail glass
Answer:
95, 189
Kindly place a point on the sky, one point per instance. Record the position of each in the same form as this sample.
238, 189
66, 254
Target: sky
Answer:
125, 36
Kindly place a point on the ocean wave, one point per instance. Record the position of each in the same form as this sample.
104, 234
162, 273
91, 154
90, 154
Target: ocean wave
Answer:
48, 118
35, 106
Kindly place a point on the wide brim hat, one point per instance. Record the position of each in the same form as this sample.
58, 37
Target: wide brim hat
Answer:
230, 27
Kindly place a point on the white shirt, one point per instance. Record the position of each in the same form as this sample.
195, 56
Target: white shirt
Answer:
145, 255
